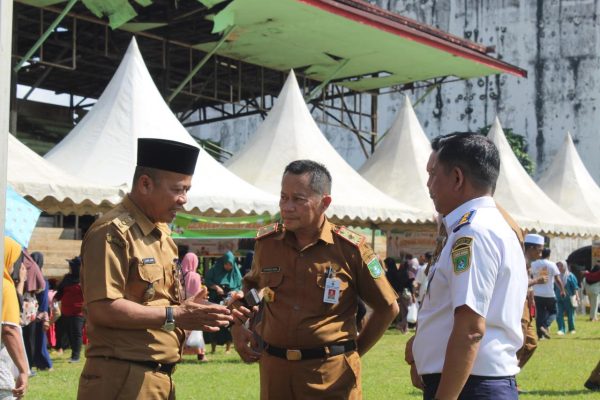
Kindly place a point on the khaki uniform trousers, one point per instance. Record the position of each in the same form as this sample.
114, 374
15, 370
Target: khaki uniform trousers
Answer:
334, 378
595, 375
530, 341
107, 379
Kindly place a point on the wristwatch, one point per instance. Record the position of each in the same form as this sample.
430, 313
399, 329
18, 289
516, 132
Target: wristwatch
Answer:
169, 324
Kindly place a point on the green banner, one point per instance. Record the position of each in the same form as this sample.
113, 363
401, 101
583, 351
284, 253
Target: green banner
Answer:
187, 226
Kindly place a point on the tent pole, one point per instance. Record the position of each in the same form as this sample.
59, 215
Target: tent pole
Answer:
6, 18
200, 64
45, 35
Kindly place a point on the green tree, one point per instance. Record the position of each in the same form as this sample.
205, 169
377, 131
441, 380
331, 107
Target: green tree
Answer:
519, 146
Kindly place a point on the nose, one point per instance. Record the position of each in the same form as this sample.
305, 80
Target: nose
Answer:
182, 198
286, 205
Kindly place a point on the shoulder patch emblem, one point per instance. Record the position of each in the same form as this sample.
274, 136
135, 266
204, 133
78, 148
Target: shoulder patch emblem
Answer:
352, 237
464, 220
375, 267
461, 254
267, 230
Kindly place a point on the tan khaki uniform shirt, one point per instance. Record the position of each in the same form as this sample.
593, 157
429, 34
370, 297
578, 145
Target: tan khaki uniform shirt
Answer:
297, 317
126, 256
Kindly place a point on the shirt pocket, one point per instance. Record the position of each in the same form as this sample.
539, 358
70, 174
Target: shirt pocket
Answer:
144, 284
272, 279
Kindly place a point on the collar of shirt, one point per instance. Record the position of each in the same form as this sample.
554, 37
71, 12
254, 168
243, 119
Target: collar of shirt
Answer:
142, 220
455, 215
325, 234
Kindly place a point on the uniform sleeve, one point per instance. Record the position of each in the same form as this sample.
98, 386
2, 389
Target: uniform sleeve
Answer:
474, 271
10, 304
251, 279
104, 264
372, 286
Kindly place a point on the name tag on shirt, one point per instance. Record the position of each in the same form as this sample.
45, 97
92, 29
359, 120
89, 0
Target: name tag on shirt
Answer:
149, 260
332, 291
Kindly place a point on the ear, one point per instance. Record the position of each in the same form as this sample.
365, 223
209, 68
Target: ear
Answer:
458, 178
326, 201
145, 184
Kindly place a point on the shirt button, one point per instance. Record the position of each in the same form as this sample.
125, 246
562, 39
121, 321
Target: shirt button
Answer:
296, 307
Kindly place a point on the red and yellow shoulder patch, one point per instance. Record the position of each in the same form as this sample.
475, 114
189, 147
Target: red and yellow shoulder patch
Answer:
268, 230
354, 238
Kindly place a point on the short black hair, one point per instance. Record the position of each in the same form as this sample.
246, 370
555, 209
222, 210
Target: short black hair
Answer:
153, 173
475, 155
320, 178
546, 253
428, 256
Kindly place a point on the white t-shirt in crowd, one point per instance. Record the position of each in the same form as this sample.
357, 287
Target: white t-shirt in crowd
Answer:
481, 266
421, 279
540, 268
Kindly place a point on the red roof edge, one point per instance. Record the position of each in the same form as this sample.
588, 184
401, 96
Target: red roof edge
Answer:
360, 11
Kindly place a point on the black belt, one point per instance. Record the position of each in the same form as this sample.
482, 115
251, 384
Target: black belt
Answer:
311, 354
153, 365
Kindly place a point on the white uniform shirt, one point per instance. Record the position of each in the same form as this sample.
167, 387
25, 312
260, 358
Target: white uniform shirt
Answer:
491, 279
540, 268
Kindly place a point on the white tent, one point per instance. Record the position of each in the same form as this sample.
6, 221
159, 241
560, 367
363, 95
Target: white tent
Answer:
289, 133
52, 189
525, 201
569, 184
398, 167
102, 148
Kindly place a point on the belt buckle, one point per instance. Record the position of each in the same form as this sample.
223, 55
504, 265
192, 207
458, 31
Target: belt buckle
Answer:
293, 355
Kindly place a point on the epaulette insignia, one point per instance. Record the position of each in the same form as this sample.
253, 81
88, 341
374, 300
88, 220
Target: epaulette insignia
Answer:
352, 237
123, 222
464, 220
115, 240
267, 230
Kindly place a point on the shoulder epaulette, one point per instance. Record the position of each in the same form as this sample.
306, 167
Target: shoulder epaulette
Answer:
267, 230
464, 220
123, 222
354, 238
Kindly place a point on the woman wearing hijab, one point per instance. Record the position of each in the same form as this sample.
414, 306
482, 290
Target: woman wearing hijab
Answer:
192, 285
41, 358
71, 302
565, 304
402, 283
221, 279
12, 340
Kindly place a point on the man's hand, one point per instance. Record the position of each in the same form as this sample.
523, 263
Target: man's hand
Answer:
244, 343
21, 385
199, 314
415, 377
410, 360
239, 312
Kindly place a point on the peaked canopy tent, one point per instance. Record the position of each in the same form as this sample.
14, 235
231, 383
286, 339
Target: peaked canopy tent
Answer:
525, 201
398, 167
570, 185
289, 133
275, 34
102, 148
52, 189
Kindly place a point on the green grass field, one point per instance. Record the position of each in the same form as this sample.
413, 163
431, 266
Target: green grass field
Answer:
556, 371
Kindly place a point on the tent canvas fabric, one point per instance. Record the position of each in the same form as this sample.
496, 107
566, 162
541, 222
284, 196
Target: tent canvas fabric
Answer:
290, 133
570, 185
52, 189
398, 167
102, 148
525, 201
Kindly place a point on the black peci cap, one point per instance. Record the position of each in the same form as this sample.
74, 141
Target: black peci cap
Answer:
167, 155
